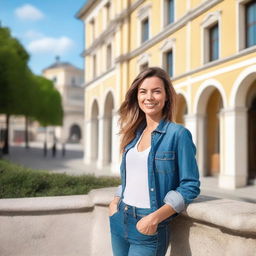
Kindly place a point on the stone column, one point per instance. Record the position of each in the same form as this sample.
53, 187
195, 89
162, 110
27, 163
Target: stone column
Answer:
115, 164
233, 157
87, 141
101, 142
196, 124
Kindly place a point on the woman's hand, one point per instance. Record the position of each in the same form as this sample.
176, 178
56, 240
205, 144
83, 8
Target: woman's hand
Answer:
147, 225
112, 208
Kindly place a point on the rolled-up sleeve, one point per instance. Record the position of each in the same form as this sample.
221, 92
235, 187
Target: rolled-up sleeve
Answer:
188, 188
118, 191
175, 200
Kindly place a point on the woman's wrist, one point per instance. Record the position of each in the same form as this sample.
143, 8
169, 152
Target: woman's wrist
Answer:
115, 200
162, 213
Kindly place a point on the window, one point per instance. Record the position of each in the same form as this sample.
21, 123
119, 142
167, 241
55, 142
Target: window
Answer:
144, 30
94, 66
250, 24
143, 21
107, 6
168, 55
92, 22
169, 63
214, 42
246, 29
109, 56
143, 61
143, 66
169, 11
211, 37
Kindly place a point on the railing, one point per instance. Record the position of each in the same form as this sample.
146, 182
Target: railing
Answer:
79, 225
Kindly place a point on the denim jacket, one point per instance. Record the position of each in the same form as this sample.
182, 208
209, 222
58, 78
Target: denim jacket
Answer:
173, 176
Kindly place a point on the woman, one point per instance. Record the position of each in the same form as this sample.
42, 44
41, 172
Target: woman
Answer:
159, 172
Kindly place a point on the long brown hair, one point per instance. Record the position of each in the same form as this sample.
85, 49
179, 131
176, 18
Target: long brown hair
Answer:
131, 116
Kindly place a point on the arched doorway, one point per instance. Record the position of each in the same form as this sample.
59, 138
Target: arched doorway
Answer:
182, 109
251, 121
209, 105
75, 133
94, 131
213, 133
243, 96
108, 128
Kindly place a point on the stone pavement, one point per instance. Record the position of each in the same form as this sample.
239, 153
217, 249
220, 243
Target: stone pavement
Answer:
72, 164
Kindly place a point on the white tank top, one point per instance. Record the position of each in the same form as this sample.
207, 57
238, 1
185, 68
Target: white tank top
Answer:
136, 191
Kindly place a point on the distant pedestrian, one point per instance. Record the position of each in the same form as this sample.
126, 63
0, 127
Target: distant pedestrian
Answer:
54, 149
45, 149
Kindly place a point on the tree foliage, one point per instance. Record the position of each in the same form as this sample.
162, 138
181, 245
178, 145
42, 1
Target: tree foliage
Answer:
22, 92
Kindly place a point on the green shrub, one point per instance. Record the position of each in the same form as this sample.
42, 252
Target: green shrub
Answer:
17, 181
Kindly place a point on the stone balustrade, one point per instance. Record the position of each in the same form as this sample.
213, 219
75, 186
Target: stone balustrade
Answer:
78, 225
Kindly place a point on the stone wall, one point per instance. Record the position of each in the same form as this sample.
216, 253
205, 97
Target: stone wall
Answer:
78, 225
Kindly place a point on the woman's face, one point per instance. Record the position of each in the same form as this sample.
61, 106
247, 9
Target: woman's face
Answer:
151, 97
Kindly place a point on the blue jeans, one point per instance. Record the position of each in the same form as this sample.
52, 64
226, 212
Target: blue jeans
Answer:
128, 241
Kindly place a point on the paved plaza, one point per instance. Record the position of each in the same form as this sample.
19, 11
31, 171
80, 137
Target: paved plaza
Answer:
72, 164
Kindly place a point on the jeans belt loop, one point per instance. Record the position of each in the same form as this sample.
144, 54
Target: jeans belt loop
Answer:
134, 211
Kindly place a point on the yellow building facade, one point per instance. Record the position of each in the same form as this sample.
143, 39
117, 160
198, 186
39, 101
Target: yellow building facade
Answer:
209, 50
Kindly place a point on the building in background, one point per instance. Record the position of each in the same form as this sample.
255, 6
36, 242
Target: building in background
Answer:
208, 47
68, 80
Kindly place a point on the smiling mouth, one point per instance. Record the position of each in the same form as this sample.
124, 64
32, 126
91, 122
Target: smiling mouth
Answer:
150, 104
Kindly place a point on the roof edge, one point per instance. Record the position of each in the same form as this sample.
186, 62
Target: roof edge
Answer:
83, 10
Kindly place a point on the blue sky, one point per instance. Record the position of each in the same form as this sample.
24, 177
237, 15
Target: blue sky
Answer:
46, 29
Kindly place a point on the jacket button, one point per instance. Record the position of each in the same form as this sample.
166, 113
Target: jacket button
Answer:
152, 189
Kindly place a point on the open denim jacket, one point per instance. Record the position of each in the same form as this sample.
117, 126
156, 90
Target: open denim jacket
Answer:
173, 176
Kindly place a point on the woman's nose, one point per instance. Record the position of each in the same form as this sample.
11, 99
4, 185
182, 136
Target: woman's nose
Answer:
149, 95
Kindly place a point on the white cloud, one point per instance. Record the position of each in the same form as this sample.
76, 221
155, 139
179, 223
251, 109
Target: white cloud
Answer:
28, 12
33, 34
50, 45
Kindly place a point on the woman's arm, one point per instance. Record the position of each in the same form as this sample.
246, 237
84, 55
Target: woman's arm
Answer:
188, 188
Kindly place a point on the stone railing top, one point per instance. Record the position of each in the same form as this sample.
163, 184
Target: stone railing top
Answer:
231, 214
235, 215
57, 203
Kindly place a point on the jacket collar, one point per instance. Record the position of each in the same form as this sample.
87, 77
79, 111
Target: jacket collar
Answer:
161, 128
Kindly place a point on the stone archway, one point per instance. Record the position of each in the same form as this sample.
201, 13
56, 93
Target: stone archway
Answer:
242, 101
75, 134
210, 103
94, 131
108, 128
182, 109
251, 122
213, 133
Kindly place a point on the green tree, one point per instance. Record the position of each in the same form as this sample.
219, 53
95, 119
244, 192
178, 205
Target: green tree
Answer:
13, 65
49, 109
22, 92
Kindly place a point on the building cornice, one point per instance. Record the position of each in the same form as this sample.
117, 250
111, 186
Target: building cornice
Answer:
83, 11
99, 77
217, 62
169, 30
206, 66
113, 26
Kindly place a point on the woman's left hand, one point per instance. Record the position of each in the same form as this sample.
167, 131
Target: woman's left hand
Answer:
147, 225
